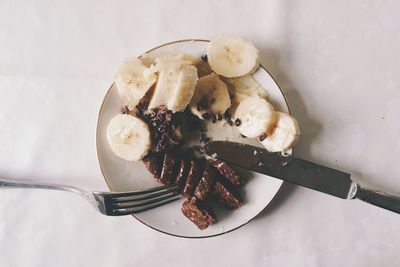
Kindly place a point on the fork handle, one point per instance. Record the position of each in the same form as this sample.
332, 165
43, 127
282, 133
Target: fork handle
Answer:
8, 183
378, 198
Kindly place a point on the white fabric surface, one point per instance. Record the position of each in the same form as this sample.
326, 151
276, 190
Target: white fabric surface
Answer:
337, 61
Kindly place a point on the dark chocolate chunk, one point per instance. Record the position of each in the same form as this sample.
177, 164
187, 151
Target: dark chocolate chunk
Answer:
262, 137
184, 166
227, 115
238, 122
163, 127
206, 116
226, 195
198, 213
213, 118
168, 169
206, 183
230, 122
219, 117
204, 58
193, 177
228, 172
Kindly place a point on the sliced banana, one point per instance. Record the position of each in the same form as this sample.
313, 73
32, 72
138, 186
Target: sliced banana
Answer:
184, 89
242, 87
232, 56
212, 91
284, 135
166, 83
129, 137
256, 116
166, 60
175, 87
133, 80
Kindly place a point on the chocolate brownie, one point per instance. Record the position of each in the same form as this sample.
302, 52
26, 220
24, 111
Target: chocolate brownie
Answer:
228, 172
153, 163
198, 213
168, 170
193, 177
206, 183
184, 166
226, 195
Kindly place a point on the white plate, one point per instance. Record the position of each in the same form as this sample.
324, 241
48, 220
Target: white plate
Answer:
122, 175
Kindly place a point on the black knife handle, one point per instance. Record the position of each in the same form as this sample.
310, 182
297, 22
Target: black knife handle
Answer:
377, 198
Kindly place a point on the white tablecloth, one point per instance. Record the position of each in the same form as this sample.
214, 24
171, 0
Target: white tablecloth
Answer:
337, 61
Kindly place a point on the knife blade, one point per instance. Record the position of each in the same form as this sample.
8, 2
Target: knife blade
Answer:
300, 172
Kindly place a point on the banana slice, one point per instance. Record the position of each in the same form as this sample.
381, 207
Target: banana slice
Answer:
166, 82
232, 56
133, 80
212, 94
242, 87
256, 116
284, 135
184, 89
166, 60
129, 137
175, 87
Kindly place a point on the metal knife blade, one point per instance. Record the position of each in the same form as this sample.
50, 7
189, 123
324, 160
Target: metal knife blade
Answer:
288, 168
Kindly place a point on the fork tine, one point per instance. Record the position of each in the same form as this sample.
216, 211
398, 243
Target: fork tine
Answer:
141, 192
118, 199
121, 212
135, 203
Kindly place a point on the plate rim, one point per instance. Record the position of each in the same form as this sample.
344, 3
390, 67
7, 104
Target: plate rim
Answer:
105, 179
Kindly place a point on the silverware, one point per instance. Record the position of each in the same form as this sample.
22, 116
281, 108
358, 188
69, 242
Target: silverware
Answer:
110, 203
300, 172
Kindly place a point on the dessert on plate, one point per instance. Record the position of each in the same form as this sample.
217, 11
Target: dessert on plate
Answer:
172, 103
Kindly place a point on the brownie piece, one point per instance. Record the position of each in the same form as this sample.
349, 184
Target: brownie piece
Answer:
226, 195
198, 213
184, 166
206, 183
153, 163
193, 177
228, 172
168, 169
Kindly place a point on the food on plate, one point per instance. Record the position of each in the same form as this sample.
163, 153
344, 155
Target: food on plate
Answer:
170, 99
242, 87
198, 213
227, 195
211, 96
232, 56
175, 87
197, 177
257, 116
283, 135
132, 81
228, 172
128, 137
205, 186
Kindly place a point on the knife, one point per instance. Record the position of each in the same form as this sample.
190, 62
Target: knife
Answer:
300, 172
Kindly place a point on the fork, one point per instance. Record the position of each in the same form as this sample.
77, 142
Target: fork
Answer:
110, 203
